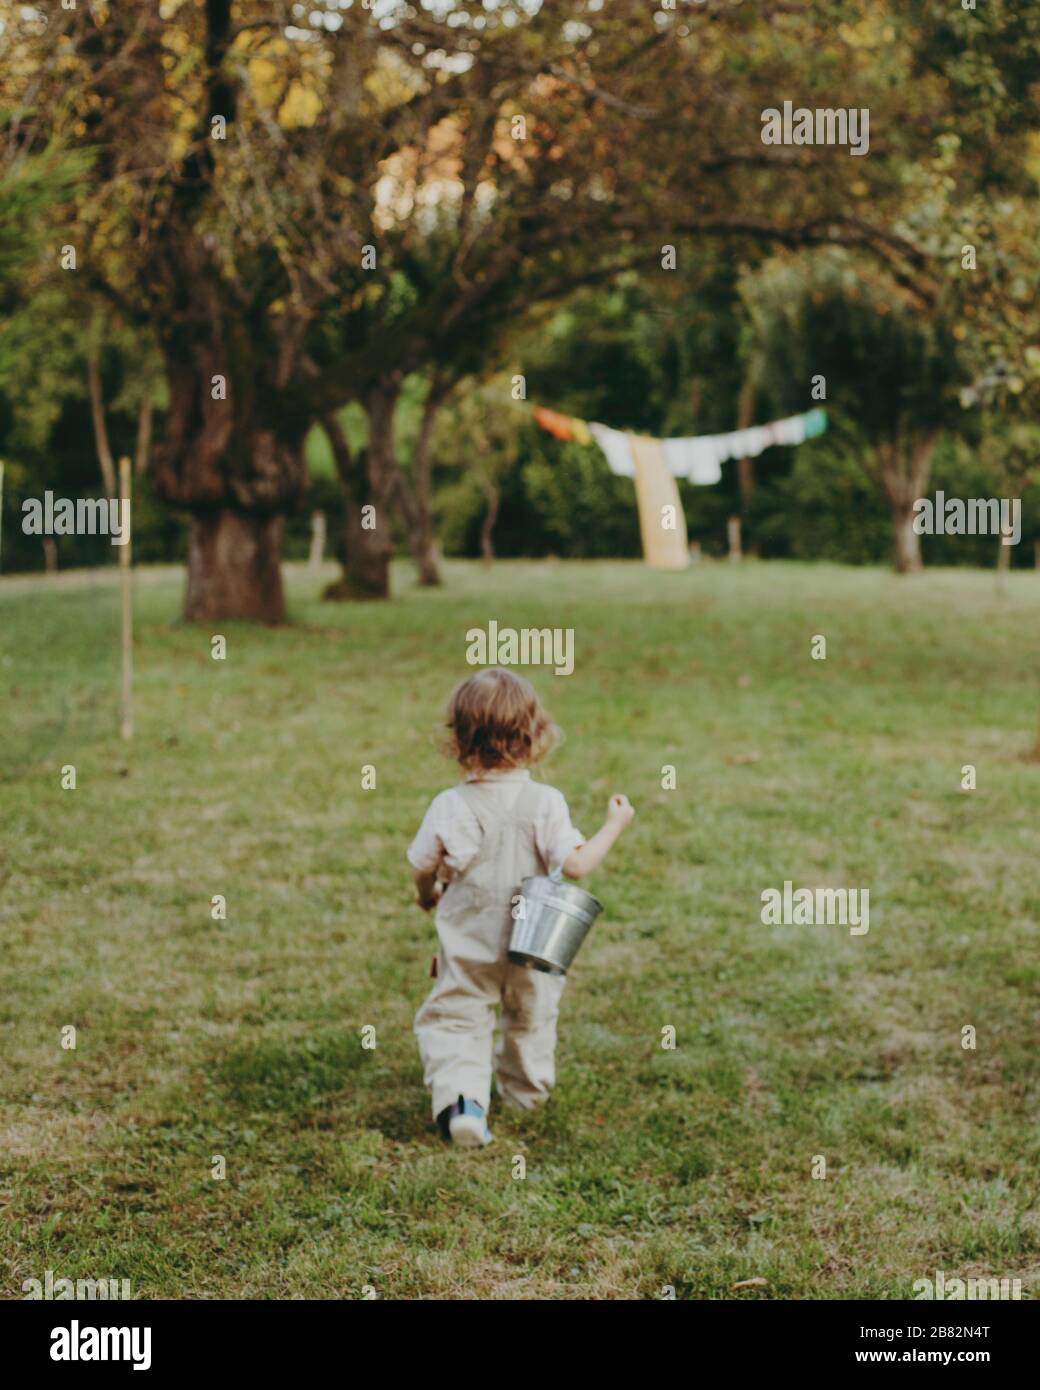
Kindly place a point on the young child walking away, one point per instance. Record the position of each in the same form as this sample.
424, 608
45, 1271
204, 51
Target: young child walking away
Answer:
477, 842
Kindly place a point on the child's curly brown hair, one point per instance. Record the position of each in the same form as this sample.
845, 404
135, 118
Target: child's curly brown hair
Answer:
496, 720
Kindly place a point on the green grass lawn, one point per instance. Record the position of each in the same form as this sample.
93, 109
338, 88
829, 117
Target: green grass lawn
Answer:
650, 1167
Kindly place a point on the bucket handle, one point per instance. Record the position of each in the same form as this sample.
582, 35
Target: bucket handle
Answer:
557, 877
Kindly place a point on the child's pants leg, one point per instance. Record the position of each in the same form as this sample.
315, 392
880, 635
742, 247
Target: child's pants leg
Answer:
526, 1056
454, 1028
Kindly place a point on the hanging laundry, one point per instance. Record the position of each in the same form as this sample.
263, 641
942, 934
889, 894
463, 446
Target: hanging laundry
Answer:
662, 522
564, 427
559, 426
617, 449
789, 431
697, 458
656, 463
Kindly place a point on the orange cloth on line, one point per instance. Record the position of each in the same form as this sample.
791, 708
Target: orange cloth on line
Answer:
559, 426
663, 549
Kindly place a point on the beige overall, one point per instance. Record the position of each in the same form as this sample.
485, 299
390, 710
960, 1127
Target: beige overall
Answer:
455, 1025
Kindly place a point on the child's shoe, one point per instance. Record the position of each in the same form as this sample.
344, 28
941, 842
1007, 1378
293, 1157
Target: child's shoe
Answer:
465, 1124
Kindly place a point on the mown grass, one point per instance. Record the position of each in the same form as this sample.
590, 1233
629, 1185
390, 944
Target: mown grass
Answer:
650, 1168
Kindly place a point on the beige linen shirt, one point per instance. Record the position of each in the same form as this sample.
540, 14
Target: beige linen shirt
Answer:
449, 836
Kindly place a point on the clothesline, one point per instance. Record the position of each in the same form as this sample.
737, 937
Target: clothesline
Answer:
698, 458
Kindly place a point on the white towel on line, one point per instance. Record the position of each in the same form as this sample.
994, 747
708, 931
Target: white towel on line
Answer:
699, 458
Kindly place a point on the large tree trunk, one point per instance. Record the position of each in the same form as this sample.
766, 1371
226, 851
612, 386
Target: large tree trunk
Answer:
234, 568
367, 481
381, 461
366, 564
237, 493
415, 503
907, 543
417, 520
902, 473
426, 559
230, 455
231, 447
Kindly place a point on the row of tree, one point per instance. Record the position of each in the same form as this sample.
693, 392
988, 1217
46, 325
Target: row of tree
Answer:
266, 217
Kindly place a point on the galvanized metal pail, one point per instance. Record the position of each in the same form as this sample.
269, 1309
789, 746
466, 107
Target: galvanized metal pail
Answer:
556, 920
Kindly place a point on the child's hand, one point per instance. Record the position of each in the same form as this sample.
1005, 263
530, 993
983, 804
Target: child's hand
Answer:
428, 889
591, 854
620, 812
428, 898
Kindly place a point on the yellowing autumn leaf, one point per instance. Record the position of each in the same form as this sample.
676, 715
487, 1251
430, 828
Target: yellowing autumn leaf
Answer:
264, 78
300, 107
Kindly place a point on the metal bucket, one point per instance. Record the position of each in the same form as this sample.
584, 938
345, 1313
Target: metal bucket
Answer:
557, 917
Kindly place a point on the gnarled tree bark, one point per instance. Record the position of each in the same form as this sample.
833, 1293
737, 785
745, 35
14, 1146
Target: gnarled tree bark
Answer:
902, 473
415, 503
367, 479
232, 458
234, 567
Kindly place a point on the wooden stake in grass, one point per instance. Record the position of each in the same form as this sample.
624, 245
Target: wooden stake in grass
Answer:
127, 727
1034, 757
1, 508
